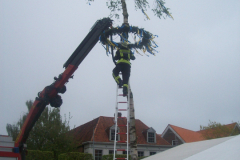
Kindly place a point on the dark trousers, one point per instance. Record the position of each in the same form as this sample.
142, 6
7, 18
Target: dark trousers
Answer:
125, 69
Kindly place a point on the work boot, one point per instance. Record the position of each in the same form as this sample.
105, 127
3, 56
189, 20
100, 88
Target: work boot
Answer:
125, 90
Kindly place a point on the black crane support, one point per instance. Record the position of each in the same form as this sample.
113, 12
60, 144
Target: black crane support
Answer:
89, 42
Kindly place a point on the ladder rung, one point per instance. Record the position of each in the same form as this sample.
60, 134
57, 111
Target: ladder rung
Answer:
122, 125
121, 149
122, 102
122, 141
122, 109
120, 158
120, 95
121, 133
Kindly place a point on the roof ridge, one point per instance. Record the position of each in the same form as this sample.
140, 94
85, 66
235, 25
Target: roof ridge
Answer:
85, 123
221, 124
113, 117
95, 129
231, 123
183, 128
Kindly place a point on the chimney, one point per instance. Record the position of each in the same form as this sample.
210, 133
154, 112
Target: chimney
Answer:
119, 114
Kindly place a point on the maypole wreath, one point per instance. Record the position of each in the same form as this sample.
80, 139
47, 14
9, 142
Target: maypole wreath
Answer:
145, 39
144, 43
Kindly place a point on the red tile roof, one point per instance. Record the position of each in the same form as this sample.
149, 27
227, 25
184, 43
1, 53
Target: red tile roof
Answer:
192, 136
84, 132
219, 132
187, 135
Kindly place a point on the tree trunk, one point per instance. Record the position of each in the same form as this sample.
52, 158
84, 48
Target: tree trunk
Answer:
132, 129
125, 13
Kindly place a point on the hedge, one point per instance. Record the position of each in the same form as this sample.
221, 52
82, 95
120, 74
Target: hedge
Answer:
110, 157
39, 155
75, 156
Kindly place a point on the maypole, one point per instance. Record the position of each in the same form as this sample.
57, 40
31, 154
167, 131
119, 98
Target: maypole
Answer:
132, 127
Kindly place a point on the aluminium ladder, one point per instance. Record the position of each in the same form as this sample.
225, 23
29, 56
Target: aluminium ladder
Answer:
117, 110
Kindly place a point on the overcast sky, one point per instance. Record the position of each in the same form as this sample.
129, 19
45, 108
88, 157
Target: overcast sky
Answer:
194, 78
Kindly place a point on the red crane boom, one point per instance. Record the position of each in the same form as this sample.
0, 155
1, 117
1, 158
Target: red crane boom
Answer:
49, 95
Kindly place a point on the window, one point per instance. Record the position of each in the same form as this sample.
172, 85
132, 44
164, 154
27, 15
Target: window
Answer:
98, 154
140, 153
152, 153
112, 134
111, 152
174, 142
151, 137
125, 152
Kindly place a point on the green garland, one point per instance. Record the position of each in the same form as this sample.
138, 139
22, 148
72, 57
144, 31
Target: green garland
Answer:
145, 42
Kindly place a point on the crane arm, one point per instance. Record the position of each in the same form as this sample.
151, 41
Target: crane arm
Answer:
49, 95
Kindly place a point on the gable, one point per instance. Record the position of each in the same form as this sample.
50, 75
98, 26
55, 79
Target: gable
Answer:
237, 128
171, 135
184, 135
151, 130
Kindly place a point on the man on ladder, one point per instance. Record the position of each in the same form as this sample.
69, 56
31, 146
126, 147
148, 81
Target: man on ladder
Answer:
123, 55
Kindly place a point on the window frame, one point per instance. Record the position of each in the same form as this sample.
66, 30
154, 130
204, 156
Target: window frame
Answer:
112, 134
153, 137
140, 152
175, 142
98, 156
111, 151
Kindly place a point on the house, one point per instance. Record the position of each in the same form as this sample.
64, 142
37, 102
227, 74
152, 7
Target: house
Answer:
177, 135
97, 137
215, 149
221, 131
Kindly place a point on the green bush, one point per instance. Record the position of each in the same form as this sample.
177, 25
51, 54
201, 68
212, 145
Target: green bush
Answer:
39, 155
75, 156
110, 156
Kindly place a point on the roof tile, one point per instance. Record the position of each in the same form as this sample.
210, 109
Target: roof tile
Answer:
84, 132
187, 135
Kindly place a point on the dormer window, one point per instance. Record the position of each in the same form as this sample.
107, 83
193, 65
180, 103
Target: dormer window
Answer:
174, 142
112, 134
151, 135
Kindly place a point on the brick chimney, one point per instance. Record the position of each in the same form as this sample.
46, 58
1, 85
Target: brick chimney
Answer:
119, 114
